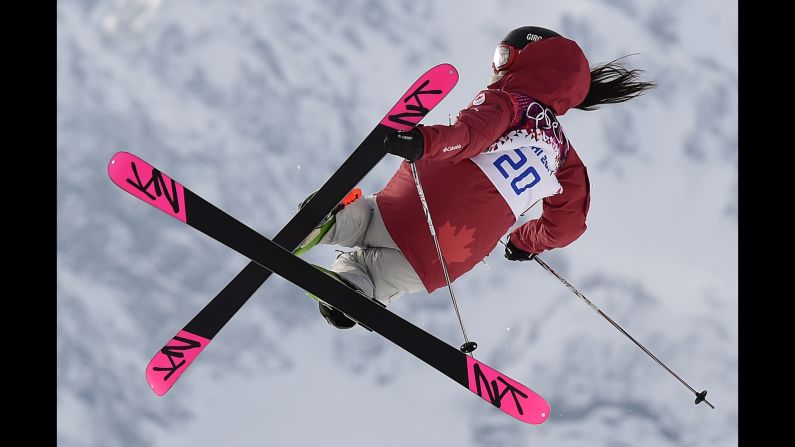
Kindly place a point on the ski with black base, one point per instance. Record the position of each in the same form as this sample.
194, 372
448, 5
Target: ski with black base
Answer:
177, 355
140, 179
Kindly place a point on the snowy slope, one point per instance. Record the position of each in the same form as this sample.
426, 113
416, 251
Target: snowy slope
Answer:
253, 104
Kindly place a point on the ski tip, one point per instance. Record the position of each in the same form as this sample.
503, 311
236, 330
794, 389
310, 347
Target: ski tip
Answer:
115, 162
506, 394
450, 68
172, 360
425, 94
544, 413
159, 388
119, 165
144, 181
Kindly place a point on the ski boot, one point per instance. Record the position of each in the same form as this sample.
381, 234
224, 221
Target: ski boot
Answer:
334, 317
325, 225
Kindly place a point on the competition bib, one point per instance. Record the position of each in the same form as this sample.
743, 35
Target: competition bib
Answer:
522, 167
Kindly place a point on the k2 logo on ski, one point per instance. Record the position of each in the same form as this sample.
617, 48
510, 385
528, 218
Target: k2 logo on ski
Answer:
495, 395
416, 110
157, 181
172, 351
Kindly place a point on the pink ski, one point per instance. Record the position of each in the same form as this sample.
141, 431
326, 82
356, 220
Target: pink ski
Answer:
149, 184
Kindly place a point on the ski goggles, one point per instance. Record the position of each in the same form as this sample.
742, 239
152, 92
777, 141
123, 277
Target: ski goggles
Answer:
504, 55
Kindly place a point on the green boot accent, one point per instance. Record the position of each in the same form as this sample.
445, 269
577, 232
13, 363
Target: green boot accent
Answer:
325, 225
315, 236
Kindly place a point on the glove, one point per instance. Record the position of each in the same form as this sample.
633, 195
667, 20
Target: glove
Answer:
408, 145
512, 253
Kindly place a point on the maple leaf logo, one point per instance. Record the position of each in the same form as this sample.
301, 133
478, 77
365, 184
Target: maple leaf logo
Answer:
455, 242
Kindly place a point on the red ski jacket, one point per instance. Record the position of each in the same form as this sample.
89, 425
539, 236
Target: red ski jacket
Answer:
463, 167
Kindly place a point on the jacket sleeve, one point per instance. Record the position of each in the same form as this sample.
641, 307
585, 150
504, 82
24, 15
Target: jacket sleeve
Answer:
475, 129
563, 218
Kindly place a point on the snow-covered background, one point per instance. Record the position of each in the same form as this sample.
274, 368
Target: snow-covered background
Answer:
253, 104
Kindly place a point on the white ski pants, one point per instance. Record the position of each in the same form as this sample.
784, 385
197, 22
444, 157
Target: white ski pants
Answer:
378, 268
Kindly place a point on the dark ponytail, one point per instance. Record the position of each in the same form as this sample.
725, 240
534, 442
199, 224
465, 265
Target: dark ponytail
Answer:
612, 83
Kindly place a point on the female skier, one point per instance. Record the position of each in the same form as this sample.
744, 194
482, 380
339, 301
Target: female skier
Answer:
506, 151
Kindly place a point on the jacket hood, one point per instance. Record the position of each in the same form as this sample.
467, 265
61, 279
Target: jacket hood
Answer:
553, 70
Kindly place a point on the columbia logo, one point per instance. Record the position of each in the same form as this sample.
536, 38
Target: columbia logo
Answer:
451, 148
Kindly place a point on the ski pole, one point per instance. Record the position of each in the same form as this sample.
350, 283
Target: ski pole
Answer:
700, 397
468, 346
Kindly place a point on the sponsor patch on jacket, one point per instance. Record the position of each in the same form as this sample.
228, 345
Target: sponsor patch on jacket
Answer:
480, 99
451, 148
